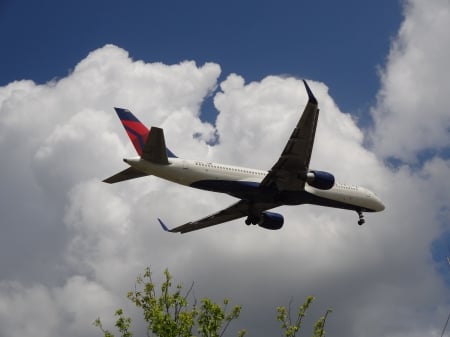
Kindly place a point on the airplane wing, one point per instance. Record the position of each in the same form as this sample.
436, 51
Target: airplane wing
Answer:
289, 172
238, 210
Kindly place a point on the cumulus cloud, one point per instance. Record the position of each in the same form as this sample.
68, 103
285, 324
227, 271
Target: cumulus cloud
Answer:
412, 111
72, 246
38, 310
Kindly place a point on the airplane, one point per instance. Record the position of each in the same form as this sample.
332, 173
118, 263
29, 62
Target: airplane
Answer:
290, 181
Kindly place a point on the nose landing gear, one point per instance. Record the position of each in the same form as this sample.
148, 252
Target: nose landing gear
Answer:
361, 220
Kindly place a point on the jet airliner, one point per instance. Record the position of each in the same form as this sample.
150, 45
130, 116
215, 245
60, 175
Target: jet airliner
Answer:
290, 181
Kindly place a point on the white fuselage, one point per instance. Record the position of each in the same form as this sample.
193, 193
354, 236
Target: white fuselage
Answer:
191, 172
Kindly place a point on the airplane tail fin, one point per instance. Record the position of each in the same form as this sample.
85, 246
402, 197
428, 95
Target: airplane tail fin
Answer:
137, 132
149, 144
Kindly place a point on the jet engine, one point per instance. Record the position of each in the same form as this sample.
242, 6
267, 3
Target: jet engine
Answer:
269, 220
320, 179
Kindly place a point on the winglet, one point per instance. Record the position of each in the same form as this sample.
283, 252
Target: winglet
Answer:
311, 97
163, 225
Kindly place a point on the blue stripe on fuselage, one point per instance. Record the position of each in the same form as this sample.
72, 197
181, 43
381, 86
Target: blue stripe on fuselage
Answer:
252, 191
240, 189
170, 154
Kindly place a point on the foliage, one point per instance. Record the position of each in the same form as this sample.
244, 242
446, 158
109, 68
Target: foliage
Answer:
290, 329
168, 314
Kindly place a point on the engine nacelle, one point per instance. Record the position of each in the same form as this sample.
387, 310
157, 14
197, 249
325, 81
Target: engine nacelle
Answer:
271, 220
320, 179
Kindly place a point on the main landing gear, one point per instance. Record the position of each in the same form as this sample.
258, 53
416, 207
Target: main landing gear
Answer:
251, 220
361, 220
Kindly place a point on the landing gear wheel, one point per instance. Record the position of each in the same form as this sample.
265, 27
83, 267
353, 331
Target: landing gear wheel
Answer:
251, 220
361, 220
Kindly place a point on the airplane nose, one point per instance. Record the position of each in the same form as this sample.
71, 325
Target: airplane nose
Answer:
379, 205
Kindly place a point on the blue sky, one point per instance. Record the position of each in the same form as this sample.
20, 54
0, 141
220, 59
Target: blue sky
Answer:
339, 43
71, 246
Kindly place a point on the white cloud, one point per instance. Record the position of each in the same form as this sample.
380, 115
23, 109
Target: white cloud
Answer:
412, 111
75, 245
37, 310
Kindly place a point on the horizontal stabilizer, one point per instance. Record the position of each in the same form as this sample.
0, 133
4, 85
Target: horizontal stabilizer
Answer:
129, 173
155, 147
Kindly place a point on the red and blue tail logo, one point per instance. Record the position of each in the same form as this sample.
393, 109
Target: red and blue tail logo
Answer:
137, 131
